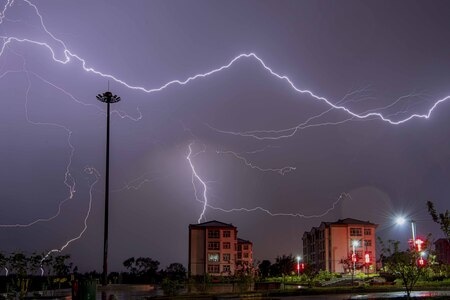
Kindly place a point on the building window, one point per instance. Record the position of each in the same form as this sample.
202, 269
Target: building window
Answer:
213, 257
213, 268
239, 256
245, 255
226, 257
368, 243
367, 231
213, 234
226, 245
245, 247
226, 233
239, 248
213, 246
226, 268
355, 232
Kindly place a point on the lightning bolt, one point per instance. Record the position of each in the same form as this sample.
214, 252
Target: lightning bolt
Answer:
69, 181
197, 178
283, 214
290, 132
138, 182
68, 56
90, 171
281, 171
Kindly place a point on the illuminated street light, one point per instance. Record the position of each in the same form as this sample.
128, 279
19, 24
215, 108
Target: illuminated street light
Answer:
108, 98
298, 265
401, 220
355, 243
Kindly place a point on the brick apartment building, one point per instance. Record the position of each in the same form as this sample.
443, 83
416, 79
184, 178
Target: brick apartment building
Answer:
215, 249
330, 246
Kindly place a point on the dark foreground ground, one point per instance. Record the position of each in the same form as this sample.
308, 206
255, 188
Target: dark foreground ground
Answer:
129, 292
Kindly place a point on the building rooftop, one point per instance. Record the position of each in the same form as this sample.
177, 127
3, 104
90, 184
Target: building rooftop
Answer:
242, 241
213, 223
349, 221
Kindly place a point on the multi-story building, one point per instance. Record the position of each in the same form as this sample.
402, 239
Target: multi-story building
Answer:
341, 246
244, 253
213, 249
442, 248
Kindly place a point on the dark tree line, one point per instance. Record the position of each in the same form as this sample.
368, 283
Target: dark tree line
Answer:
146, 270
283, 265
22, 272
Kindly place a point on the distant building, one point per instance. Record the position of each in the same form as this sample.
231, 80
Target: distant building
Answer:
330, 246
244, 254
213, 249
442, 248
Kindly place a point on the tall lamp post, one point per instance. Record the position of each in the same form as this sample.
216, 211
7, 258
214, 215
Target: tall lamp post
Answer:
108, 98
401, 221
298, 266
355, 243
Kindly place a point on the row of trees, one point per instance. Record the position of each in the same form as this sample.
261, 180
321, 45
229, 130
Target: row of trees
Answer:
33, 272
283, 265
21, 265
146, 270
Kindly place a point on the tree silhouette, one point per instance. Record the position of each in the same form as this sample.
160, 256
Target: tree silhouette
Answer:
443, 219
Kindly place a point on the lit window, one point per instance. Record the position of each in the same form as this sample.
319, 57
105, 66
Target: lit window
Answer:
213, 257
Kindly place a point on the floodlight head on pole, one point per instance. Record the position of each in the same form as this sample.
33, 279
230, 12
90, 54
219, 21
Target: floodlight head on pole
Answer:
108, 97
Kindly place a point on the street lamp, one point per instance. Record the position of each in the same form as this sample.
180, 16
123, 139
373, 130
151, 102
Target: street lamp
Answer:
355, 243
401, 220
108, 98
298, 265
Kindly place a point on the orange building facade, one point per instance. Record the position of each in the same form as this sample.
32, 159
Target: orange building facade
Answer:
213, 249
342, 246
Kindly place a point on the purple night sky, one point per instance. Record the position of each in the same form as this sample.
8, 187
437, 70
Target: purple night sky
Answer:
387, 57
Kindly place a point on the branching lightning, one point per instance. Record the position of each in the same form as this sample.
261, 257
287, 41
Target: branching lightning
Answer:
69, 55
281, 171
90, 171
281, 214
138, 182
197, 178
204, 199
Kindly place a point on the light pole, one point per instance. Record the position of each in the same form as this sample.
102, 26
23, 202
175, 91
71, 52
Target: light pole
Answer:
401, 221
355, 243
108, 98
298, 265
